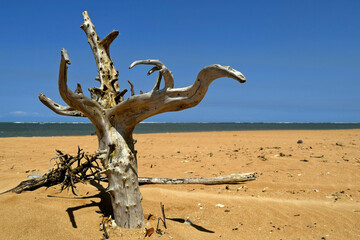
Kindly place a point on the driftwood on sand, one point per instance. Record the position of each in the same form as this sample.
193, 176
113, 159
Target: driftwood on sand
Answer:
69, 170
114, 117
232, 178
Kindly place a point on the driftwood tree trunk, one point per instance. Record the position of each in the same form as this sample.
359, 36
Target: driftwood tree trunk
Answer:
115, 118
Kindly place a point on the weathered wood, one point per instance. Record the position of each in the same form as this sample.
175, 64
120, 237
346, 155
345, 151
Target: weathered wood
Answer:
32, 184
86, 168
108, 75
159, 66
233, 178
90, 108
140, 107
131, 88
115, 118
57, 177
59, 109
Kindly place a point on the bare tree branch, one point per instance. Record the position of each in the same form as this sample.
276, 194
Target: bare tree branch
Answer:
159, 66
131, 88
88, 107
108, 40
139, 107
57, 108
107, 74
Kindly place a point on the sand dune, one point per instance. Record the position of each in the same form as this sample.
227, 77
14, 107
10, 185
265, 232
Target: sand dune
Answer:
303, 191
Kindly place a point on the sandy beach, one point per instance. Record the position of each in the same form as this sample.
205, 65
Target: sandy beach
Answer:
306, 190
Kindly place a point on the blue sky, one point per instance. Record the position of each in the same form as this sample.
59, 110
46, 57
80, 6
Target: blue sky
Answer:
301, 58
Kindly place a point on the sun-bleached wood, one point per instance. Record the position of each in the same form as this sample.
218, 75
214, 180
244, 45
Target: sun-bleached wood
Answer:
232, 178
57, 108
115, 118
57, 177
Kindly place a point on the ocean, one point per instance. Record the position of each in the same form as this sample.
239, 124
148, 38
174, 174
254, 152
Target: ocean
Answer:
81, 129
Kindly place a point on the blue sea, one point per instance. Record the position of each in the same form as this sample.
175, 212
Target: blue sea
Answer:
81, 129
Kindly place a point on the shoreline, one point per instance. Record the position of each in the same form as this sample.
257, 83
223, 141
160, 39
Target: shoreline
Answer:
175, 132
74, 129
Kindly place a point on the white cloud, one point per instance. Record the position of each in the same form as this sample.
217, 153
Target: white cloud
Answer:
23, 114
19, 113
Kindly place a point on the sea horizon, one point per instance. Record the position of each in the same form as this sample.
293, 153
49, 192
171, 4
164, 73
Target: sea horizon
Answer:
38, 129
194, 122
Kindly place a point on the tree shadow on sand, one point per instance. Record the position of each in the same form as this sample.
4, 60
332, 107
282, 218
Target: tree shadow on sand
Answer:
105, 207
188, 222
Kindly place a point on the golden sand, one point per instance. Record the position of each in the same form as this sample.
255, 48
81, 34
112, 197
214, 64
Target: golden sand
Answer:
303, 191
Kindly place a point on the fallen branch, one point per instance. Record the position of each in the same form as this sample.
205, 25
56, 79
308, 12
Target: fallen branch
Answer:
232, 178
87, 168
54, 178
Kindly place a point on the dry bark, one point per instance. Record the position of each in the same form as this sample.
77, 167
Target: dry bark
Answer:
115, 118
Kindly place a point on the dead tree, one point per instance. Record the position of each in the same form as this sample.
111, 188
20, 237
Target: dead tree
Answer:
115, 118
